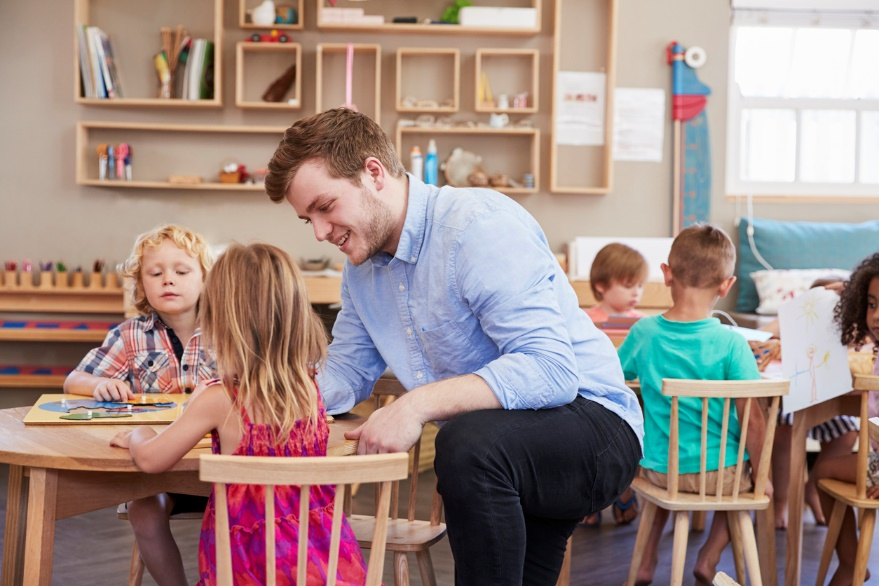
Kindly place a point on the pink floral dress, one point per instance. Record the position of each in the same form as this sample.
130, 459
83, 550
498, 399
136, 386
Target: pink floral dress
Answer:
247, 517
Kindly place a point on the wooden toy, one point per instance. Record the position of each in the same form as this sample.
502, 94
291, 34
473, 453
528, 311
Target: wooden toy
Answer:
76, 410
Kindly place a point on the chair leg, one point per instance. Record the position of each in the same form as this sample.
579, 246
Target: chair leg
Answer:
699, 520
648, 513
679, 547
401, 569
565, 573
749, 545
865, 540
425, 567
135, 573
833, 527
735, 536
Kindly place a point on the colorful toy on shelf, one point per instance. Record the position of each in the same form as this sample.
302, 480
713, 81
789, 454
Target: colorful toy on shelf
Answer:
61, 279
273, 37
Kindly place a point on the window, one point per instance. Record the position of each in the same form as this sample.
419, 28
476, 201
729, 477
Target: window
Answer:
803, 102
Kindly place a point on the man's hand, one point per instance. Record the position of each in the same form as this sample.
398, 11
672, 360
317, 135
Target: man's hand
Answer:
394, 428
121, 439
873, 491
111, 389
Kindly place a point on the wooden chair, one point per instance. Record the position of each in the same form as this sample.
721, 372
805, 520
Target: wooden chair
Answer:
405, 534
304, 472
853, 495
737, 505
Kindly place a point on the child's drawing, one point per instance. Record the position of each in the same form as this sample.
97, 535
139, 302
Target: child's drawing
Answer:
811, 354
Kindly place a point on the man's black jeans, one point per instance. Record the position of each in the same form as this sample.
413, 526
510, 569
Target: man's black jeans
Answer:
516, 483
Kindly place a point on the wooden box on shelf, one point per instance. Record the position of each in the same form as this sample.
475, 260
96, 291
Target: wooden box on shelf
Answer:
19, 293
425, 76
575, 168
162, 150
513, 152
245, 6
134, 35
510, 77
378, 17
260, 67
365, 83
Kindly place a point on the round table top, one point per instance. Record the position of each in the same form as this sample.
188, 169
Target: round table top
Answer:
87, 447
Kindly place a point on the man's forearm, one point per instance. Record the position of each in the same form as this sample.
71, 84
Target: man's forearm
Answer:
442, 400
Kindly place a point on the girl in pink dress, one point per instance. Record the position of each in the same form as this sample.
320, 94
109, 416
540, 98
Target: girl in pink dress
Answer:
255, 314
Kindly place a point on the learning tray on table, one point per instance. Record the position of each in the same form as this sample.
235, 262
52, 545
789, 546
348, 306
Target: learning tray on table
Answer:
153, 408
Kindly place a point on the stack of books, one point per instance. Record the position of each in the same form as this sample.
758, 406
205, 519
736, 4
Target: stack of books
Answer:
96, 63
198, 74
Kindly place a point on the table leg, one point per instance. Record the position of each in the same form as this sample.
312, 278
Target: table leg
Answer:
766, 545
40, 537
795, 499
16, 517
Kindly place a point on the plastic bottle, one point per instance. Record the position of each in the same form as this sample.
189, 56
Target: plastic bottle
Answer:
416, 163
431, 166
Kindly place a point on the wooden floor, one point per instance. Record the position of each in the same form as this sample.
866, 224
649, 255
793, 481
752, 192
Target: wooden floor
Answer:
95, 549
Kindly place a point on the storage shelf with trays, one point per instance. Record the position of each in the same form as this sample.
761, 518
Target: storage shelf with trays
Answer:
127, 47
514, 165
331, 64
277, 55
244, 25
259, 141
443, 67
391, 8
504, 78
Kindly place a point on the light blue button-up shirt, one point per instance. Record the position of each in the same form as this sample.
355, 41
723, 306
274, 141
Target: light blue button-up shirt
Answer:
473, 288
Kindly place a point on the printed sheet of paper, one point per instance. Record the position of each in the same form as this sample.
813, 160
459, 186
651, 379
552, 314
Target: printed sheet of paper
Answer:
580, 106
638, 124
812, 356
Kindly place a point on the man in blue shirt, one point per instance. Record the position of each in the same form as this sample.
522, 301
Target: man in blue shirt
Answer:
458, 293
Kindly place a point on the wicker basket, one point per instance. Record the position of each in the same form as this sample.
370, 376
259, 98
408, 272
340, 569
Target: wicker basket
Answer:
765, 352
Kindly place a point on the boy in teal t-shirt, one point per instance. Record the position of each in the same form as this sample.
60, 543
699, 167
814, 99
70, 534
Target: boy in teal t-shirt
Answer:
687, 343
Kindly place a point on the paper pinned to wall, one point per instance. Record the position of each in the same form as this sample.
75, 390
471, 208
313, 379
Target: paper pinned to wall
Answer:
812, 356
580, 108
638, 124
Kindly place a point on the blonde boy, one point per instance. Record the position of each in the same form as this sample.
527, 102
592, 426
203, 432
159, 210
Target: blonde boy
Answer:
617, 280
686, 342
159, 351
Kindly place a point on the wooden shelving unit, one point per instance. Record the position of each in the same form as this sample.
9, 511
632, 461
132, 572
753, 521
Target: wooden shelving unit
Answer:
508, 72
134, 33
422, 11
245, 5
515, 163
367, 75
432, 73
272, 59
168, 148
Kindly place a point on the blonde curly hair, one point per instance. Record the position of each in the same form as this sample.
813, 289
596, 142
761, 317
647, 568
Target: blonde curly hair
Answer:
190, 242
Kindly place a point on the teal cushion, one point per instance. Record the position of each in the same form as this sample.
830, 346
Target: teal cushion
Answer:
800, 245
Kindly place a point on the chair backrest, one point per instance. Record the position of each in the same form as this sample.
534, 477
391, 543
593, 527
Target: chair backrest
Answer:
728, 392
864, 382
384, 392
303, 472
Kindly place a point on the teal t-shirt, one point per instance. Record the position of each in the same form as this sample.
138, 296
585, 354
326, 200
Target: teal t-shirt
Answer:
657, 348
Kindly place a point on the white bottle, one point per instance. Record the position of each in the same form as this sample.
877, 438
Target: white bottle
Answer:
416, 163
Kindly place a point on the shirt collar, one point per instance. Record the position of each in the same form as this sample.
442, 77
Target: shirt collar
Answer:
412, 236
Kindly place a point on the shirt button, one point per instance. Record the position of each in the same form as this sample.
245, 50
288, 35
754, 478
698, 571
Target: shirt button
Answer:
188, 390
185, 367
419, 375
413, 259
149, 362
402, 287
409, 331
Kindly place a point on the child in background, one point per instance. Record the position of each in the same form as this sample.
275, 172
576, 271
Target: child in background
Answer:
687, 343
857, 314
160, 351
269, 343
617, 280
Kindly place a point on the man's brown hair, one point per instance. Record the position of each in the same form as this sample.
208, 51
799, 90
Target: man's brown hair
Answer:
618, 263
702, 256
341, 139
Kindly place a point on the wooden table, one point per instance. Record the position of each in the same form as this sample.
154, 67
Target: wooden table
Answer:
850, 404
73, 470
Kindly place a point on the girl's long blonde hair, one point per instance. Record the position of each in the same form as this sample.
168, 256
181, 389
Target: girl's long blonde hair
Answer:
268, 340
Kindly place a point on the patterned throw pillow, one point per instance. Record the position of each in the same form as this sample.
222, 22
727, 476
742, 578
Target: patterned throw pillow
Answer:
776, 287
